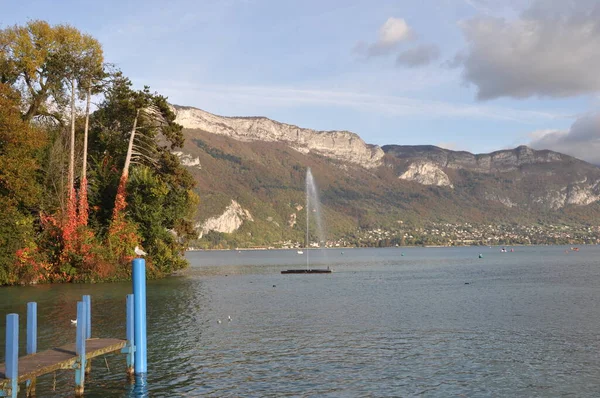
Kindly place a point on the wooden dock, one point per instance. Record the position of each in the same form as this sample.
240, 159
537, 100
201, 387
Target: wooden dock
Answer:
41, 363
76, 356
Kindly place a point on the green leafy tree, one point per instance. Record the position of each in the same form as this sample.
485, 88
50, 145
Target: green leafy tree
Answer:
19, 190
39, 60
137, 129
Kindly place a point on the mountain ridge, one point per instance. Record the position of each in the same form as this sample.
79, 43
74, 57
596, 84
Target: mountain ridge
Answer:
260, 164
343, 145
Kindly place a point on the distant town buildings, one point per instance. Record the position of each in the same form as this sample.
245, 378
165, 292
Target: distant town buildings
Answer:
445, 234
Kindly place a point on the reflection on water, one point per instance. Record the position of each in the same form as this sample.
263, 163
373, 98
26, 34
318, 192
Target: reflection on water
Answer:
139, 387
437, 322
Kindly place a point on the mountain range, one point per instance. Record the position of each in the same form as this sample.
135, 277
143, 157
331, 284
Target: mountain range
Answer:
250, 174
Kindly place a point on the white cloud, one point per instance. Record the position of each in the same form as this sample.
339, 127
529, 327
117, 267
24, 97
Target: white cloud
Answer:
552, 49
391, 33
582, 140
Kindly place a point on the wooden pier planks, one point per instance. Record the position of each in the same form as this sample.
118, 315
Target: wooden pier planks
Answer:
31, 366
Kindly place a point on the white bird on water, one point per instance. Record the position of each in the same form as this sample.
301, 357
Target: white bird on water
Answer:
218, 321
228, 318
139, 251
73, 321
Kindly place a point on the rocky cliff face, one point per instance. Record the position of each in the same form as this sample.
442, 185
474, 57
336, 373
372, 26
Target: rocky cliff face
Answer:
499, 161
188, 160
340, 145
583, 194
573, 194
426, 173
232, 218
550, 180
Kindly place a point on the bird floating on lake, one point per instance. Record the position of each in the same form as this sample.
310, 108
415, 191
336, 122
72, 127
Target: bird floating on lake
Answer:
218, 321
228, 318
139, 251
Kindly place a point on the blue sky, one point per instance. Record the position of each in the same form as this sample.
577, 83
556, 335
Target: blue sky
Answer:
475, 75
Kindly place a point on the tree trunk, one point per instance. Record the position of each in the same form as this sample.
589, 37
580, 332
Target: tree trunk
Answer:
83, 201
72, 141
85, 132
33, 109
70, 223
130, 147
120, 202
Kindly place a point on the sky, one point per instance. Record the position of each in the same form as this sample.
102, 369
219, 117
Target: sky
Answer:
473, 75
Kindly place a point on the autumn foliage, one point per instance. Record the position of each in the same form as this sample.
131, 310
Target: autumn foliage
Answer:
77, 226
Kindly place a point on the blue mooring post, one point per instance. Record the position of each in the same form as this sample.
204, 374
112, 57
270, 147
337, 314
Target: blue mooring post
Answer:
87, 299
80, 348
129, 348
12, 354
139, 303
31, 341
31, 328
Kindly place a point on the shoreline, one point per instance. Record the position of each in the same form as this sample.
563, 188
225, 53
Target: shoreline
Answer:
389, 247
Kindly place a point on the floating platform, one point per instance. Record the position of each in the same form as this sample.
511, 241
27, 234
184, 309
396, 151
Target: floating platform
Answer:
306, 271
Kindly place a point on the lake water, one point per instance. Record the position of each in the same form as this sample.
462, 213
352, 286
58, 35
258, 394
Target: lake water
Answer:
434, 322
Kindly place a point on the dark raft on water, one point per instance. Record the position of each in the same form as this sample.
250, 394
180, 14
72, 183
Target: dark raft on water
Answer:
307, 271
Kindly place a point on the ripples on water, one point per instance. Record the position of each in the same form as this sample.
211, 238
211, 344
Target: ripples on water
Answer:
435, 322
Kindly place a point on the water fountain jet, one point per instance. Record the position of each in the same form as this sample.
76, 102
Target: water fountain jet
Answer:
312, 205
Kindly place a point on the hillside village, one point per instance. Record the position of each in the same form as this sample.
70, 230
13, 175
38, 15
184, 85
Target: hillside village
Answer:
469, 234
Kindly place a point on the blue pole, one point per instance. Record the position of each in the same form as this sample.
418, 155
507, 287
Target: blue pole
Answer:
31, 328
139, 303
12, 353
130, 321
80, 348
87, 299
130, 335
31, 341
81, 328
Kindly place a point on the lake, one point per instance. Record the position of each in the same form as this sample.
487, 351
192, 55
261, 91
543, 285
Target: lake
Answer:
387, 322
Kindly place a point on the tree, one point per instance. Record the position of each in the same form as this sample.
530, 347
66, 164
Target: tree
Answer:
137, 129
79, 58
45, 70
37, 58
19, 190
25, 61
45, 62
92, 84
163, 209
